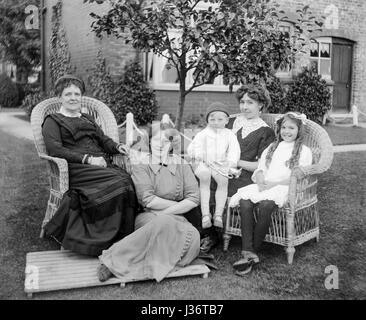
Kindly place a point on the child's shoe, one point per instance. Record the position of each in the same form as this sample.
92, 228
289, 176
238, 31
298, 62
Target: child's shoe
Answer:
206, 221
218, 221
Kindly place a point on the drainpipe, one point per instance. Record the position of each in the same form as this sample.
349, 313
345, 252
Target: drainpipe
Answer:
43, 57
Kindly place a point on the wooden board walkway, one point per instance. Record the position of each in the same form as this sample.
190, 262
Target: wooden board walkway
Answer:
64, 269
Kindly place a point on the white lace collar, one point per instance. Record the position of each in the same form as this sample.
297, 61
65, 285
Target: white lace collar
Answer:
248, 125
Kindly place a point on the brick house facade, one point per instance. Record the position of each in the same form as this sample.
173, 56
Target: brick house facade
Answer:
339, 52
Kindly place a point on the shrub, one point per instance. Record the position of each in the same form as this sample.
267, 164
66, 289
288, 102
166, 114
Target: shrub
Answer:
133, 95
9, 96
100, 81
309, 94
32, 99
277, 94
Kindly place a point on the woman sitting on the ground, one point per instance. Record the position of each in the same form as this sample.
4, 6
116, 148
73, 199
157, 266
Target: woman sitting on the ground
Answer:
99, 207
167, 189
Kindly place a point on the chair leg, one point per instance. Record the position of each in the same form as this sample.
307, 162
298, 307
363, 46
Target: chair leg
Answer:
227, 238
290, 250
42, 233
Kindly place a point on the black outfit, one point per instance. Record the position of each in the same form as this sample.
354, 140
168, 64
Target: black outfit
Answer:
253, 233
251, 148
100, 206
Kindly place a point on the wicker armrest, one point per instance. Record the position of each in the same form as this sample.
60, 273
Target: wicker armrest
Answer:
59, 173
302, 189
122, 161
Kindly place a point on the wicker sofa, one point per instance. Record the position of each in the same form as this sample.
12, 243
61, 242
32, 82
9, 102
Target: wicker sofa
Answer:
298, 221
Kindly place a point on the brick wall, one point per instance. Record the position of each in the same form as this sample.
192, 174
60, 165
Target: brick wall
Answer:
351, 26
84, 45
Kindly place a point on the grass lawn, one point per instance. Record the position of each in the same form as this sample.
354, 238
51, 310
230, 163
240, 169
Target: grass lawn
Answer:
346, 135
24, 192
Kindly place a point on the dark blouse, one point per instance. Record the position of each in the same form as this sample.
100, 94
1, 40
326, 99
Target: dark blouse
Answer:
251, 148
72, 138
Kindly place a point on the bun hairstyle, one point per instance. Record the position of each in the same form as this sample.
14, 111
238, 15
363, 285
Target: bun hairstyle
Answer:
256, 92
65, 81
163, 132
299, 119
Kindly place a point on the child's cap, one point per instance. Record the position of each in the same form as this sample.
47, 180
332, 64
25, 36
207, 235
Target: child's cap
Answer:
216, 106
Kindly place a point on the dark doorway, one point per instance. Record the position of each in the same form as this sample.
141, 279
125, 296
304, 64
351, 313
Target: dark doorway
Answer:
342, 54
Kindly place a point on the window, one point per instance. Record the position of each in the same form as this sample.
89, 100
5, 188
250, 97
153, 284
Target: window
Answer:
320, 56
161, 76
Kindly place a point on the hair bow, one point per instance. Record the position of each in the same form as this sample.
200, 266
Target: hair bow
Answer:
296, 115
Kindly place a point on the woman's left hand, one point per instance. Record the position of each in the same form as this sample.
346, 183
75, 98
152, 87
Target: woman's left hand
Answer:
122, 149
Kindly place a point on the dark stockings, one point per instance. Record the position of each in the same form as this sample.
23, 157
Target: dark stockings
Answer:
253, 233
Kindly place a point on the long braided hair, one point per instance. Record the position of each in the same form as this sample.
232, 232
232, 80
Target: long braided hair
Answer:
295, 156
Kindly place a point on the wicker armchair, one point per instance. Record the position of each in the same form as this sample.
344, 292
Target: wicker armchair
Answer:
57, 167
298, 221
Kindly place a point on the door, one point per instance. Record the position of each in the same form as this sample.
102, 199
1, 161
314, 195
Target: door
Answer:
342, 74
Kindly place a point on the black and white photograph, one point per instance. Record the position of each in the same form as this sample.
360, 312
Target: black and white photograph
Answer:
182, 154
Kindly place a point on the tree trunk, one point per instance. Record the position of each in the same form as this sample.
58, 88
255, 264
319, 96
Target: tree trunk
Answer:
180, 110
182, 93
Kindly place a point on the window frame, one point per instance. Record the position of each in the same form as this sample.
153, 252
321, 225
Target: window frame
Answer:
322, 40
154, 64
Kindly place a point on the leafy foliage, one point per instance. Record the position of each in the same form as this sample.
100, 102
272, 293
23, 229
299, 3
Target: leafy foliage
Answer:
32, 99
101, 82
129, 93
238, 39
132, 94
9, 96
309, 94
17, 44
277, 94
59, 49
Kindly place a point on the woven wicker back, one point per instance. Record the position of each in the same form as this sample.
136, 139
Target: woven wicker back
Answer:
97, 109
316, 138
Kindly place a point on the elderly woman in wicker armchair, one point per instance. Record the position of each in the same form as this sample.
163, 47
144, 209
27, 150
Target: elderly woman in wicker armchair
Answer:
99, 207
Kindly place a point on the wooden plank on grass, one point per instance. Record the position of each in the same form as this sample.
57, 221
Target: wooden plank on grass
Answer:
60, 270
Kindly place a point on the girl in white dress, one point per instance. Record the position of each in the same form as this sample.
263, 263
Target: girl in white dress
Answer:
271, 184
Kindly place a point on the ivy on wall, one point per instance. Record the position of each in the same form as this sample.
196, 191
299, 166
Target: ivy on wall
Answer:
59, 49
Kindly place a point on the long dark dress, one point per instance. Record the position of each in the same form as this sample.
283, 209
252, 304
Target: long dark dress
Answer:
99, 207
251, 148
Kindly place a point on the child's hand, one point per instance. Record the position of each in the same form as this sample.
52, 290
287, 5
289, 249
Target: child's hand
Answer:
260, 177
267, 185
261, 187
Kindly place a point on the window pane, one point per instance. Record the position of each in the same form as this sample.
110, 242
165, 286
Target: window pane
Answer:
285, 29
169, 75
314, 64
325, 50
325, 67
314, 49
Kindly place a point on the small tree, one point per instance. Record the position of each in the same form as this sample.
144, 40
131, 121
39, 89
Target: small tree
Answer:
309, 94
101, 82
9, 97
237, 39
17, 44
133, 95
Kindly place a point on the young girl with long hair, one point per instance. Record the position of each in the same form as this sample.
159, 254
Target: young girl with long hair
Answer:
271, 184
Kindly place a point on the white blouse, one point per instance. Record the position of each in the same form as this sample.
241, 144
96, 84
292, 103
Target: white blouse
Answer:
277, 169
221, 145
